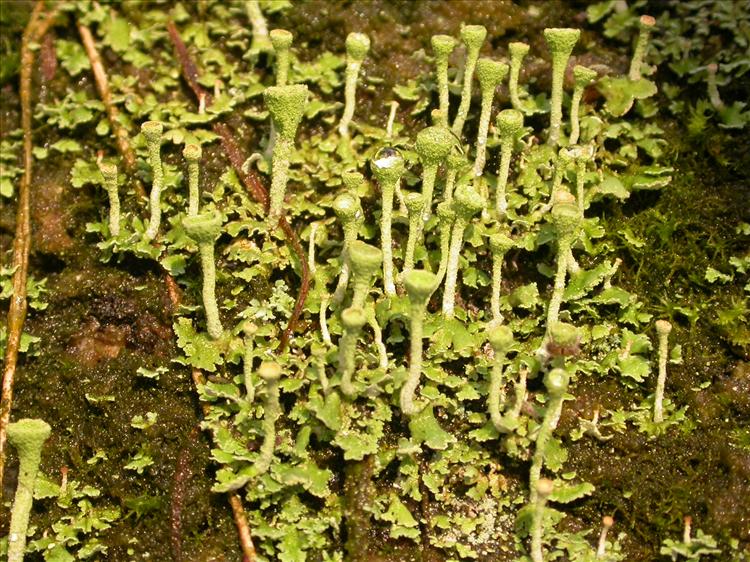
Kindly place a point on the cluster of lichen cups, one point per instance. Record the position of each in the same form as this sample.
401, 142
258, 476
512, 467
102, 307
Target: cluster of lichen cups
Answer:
435, 146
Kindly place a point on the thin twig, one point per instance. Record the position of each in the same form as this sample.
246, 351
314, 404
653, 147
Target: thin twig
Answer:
102, 85
251, 180
248, 548
34, 32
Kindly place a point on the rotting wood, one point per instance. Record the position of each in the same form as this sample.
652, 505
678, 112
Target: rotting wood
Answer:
251, 181
102, 86
34, 32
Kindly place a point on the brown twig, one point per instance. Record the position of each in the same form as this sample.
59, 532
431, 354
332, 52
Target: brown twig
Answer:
251, 180
34, 32
102, 86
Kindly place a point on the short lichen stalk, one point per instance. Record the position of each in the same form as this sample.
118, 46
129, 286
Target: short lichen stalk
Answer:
152, 131
204, 229
414, 206
349, 213
353, 319
357, 46
560, 43
582, 156
582, 77
432, 146
501, 340
556, 382
601, 549
467, 203
563, 160
442, 47
109, 173
663, 328
509, 123
490, 74
281, 39
286, 104
377, 331
365, 260
517, 53
645, 25
249, 330
500, 244
446, 216
192, 153
543, 490
28, 437
419, 286
472, 36
453, 165
387, 167
270, 373
260, 27
566, 220
713, 88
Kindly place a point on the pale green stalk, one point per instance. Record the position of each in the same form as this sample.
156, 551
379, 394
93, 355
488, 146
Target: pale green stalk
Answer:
543, 490
607, 523
153, 130
372, 321
560, 43
249, 330
432, 146
419, 285
645, 24
349, 212
286, 104
353, 319
387, 167
28, 437
192, 153
473, 37
566, 220
517, 53
467, 203
414, 207
261, 41
446, 216
582, 77
270, 372
490, 74
281, 39
509, 123
501, 340
391, 120
500, 244
713, 89
663, 327
582, 155
556, 382
442, 47
453, 166
204, 229
109, 173
365, 260
563, 160
357, 45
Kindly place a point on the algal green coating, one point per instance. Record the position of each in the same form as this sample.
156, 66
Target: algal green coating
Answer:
286, 104
472, 36
490, 74
560, 42
153, 130
205, 229
419, 286
109, 173
28, 437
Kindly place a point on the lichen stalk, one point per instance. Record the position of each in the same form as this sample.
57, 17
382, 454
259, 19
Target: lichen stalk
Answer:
419, 285
582, 77
566, 220
490, 74
446, 216
365, 260
357, 46
560, 42
713, 88
387, 167
501, 340
391, 119
645, 25
607, 523
663, 328
432, 145
414, 206
261, 41
109, 173
556, 381
472, 36
249, 331
467, 203
281, 40
500, 244
192, 153
270, 372
517, 53
349, 212
152, 131
543, 490
453, 165
442, 47
353, 319
28, 437
509, 124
